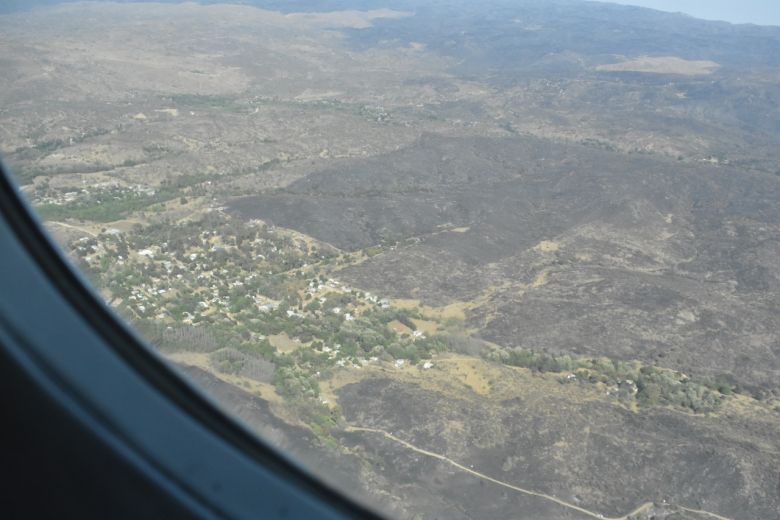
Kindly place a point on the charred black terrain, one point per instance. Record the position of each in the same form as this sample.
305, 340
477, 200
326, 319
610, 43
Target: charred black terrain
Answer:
563, 248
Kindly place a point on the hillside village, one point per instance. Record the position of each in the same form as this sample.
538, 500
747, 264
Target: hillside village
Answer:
249, 288
266, 302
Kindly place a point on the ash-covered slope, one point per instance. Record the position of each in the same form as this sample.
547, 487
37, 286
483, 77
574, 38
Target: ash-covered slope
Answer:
563, 248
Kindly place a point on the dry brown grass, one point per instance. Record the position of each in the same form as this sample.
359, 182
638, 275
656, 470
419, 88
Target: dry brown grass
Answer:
662, 65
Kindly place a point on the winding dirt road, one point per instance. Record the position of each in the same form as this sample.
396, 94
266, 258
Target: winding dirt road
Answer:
519, 489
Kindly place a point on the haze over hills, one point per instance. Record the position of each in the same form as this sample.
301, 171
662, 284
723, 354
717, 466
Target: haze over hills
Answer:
758, 12
465, 260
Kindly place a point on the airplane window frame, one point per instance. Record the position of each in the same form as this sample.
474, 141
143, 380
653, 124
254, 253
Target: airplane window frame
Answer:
56, 332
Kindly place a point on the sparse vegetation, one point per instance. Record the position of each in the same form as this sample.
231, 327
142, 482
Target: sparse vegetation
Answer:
632, 382
115, 202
